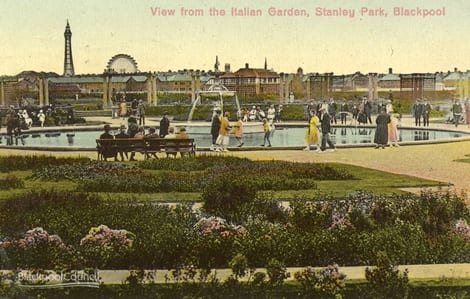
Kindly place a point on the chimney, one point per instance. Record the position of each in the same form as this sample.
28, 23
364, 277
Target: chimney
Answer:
390, 70
246, 65
227, 67
455, 69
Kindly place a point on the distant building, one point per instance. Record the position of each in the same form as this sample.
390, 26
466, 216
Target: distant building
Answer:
252, 81
389, 81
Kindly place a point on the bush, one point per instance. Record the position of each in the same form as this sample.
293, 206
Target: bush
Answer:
38, 250
13, 162
83, 170
386, 281
167, 181
225, 192
277, 272
103, 246
324, 283
11, 182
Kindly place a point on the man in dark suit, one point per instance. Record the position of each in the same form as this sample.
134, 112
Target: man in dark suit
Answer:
325, 120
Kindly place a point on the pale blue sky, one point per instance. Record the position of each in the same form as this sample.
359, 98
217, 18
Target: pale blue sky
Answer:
32, 36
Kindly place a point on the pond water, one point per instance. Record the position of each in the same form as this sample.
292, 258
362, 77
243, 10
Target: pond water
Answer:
281, 137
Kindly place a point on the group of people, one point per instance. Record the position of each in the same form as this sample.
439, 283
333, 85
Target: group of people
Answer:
18, 121
359, 110
386, 133
256, 113
319, 124
137, 109
138, 131
221, 128
421, 110
459, 113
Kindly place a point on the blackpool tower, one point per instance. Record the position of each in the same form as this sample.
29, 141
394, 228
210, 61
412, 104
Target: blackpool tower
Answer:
68, 60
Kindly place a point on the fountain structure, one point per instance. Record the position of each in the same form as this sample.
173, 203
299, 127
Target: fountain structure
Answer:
220, 92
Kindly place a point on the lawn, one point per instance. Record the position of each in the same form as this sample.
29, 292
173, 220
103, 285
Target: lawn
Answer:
365, 179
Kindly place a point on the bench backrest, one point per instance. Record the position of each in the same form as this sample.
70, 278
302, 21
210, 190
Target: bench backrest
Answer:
171, 145
179, 145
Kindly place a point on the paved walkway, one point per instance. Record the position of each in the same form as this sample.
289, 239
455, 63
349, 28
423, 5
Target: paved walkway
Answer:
430, 161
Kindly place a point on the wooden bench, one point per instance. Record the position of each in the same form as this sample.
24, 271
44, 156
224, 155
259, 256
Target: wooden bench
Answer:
109, 148
173, 146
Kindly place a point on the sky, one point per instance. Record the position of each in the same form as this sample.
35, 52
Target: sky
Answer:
32, 35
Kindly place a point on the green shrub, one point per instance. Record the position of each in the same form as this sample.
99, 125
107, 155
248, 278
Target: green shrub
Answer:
327, 282
38, 249
11, 182
83, 170
293, 112
25, 162
167, 181
385, 280
165, 235
225, 192
239, 265
277, 272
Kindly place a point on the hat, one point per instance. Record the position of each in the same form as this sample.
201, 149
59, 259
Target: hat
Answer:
183, 129
165, 113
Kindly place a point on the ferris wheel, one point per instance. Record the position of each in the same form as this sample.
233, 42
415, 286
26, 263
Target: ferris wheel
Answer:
122, 63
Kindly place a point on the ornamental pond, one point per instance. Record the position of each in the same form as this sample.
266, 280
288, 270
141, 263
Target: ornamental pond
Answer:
282, 137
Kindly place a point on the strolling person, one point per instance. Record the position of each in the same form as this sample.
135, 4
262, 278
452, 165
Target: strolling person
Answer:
381, 132
361, 114
224, 130
238, 132
10, 126
271, 113
123, 109
343, 112
215, 127
164, 125
368, 110
41, 117
417, 112
312, 136
456, 112
467, 112
393, 136
141, 113
325, 121
426, 111
267, 133
332, 109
